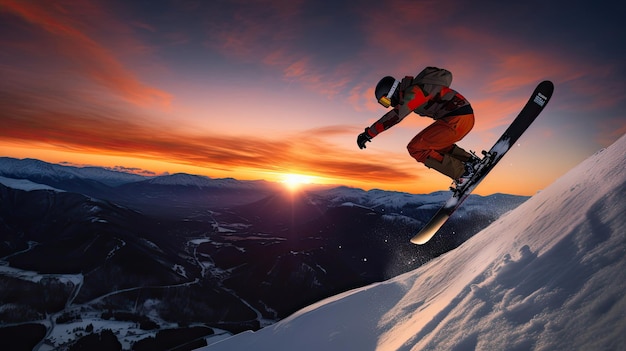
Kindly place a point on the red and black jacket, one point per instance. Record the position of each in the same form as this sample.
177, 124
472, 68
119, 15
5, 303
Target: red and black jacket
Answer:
426, 96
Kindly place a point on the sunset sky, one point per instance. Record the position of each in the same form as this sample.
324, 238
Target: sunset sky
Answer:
259, 89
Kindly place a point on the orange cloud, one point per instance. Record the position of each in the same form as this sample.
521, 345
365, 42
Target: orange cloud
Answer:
69, 63
66, 26
27, 121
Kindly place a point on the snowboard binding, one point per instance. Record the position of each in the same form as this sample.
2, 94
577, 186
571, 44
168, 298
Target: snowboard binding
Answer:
477, 172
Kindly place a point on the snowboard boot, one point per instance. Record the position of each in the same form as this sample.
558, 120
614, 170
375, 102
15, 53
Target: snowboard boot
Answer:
450, 166
470, 161
460, 154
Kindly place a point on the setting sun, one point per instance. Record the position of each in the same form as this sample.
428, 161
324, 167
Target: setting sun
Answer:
294, 181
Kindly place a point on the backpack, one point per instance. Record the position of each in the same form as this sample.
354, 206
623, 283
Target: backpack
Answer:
435, 76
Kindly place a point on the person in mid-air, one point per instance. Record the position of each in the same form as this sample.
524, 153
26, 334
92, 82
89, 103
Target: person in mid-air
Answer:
428, 94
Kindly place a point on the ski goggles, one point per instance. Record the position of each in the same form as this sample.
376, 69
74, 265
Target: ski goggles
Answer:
385, 100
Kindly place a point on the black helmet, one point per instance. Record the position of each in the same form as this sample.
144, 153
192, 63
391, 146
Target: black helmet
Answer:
387, 91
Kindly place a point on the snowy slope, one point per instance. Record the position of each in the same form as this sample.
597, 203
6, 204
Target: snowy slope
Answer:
549, 275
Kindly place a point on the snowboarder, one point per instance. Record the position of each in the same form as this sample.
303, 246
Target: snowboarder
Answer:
428, 94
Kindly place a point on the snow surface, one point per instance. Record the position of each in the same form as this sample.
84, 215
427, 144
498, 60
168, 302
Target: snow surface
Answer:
549, 275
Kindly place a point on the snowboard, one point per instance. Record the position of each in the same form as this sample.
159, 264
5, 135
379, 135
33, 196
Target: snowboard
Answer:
524, 119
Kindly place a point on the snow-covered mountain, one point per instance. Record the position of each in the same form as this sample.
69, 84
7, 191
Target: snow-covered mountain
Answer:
183, 179
43, 171
380, 198
24, 184
158, 194
549, 275
180, 192
29, 168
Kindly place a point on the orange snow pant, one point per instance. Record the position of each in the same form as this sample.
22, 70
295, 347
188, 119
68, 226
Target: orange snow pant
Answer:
439, 138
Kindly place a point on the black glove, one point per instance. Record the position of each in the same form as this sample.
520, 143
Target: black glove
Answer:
362, 139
